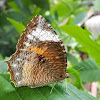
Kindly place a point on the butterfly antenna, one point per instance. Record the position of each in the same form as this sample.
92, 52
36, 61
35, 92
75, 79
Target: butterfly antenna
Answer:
77, 70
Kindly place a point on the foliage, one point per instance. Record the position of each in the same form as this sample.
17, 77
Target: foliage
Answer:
83, 37
61, 14
89, 69
19, 27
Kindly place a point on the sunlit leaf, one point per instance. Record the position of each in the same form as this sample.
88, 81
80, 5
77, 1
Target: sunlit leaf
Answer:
14, 6
19, 26
83, 37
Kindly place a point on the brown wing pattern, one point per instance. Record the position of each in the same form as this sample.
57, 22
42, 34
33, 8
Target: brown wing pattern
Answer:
40, 56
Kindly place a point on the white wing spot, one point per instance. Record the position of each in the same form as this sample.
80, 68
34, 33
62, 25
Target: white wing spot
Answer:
17, 74
30, 36
64, 51
19, 82
27, 44
57, 57
18, 59
48, 25
14, 65
45, 35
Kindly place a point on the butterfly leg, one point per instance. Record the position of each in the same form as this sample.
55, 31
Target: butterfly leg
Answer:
66, 87
52, 87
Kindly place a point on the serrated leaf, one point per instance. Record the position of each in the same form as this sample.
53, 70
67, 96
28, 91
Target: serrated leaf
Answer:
9, 92
83, 37
19, 26
90, 71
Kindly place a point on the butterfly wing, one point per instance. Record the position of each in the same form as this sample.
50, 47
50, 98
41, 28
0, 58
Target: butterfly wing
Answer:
40, 56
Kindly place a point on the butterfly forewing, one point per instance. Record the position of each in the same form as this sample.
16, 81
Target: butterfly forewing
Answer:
40, 56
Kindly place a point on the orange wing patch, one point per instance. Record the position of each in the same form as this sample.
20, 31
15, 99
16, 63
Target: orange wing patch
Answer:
37, 50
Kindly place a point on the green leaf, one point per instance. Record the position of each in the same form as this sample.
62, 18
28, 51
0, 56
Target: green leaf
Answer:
83, 37
76, 94
71, 42
44, 4
90, 71
3, 67
79, 18
75, 77
19, 26
9, 92
23, 8
14, 6
11, 14
1, 57
72, 58
19, 3
60, 8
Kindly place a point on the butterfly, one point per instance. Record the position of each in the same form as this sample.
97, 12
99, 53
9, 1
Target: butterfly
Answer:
40, 57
